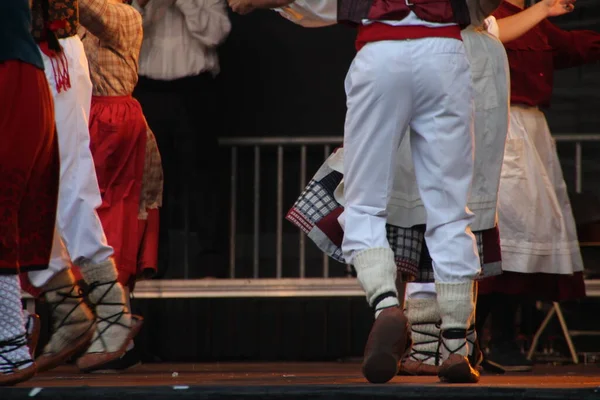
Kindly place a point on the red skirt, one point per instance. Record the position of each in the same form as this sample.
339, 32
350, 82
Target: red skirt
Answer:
548, 287
118, 144
29, 168
147, 261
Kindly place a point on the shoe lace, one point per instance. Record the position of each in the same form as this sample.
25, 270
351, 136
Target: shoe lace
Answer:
455, 350
426, 355
74, 292
8, 346
107, 321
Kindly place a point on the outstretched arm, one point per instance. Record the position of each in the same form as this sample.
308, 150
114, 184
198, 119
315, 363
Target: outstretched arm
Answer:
246, 6
108, 21
572, 48
515, 26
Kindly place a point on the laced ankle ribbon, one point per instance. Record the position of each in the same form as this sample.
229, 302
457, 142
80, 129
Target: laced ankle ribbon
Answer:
426, 354
454, 334
72, 293
114, 319
7, 365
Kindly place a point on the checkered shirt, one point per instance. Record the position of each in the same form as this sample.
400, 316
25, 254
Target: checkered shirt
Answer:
152, 181
112, 37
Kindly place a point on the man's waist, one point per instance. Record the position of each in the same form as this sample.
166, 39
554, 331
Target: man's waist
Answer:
379, 32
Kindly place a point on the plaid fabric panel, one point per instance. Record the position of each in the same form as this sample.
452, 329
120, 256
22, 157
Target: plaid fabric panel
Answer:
152, 180
325, 243
316, 211
317, 205
317, 200
331, 181
479, 238
407, 245
337, 255
424, 272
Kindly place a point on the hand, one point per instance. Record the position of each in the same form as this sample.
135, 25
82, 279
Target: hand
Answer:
556, 8
241, 6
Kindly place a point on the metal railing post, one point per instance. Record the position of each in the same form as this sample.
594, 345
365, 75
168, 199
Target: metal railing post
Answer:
232, 212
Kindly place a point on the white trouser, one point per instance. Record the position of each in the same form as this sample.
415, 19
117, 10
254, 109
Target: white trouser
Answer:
77, 221
416, 290
424, 84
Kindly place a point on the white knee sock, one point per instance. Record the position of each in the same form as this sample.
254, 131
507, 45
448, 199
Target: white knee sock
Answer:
423, 316
12, 326
112, 315
376, 272
71, 317
457, 305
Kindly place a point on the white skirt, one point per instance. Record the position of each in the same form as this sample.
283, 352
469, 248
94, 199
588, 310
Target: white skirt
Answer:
537, 229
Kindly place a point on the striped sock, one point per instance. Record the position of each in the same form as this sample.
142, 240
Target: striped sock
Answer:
14, 353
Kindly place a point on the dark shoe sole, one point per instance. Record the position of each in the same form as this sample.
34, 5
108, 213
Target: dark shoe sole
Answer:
460, 372
46, 362
91, 362
381, 365
109, 371
18, 376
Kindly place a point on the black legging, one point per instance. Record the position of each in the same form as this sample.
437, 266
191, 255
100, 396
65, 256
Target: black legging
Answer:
503, 309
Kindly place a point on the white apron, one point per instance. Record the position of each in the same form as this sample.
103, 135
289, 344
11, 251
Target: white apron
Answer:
537, 228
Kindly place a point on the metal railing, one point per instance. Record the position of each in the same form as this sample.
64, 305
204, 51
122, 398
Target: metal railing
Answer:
258, 145
578, 139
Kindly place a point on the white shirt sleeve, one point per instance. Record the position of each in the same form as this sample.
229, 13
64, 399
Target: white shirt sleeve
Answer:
206, 20
311, 13
153, 11
491, 25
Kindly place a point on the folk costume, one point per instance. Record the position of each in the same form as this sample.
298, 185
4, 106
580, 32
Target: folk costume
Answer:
80, 235
540, 249
29, 174
317, 209
111, 33
432, 72
489, 69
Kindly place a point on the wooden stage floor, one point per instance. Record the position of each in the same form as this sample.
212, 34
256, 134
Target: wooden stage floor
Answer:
298, 380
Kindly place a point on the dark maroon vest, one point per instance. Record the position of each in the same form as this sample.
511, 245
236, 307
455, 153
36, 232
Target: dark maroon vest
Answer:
439, 11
